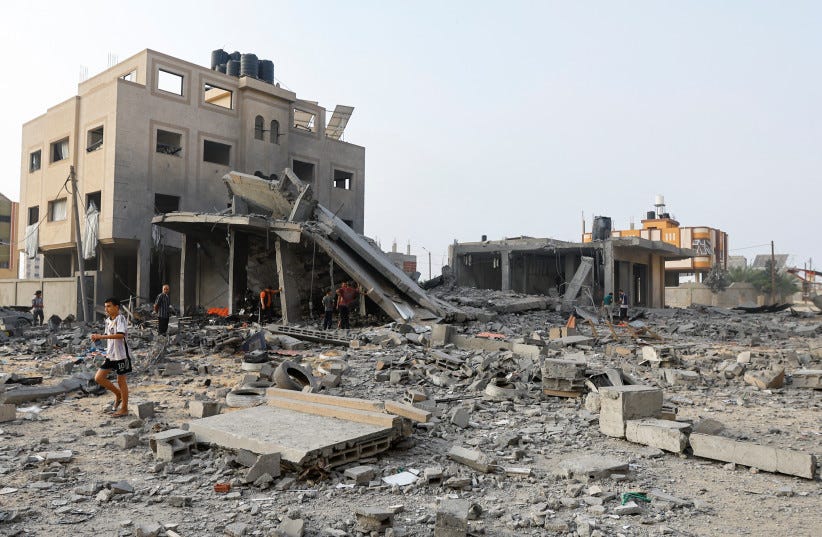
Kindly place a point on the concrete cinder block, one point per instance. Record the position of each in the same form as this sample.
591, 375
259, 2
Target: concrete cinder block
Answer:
767, 458
441, 334
360, 475
173, 444
679, 377
7, 412
127, 441
765, 380
203, 409
808, 378
452, 518
374, 519
663, 434
619, 404
144, 410
461, 417
473, 459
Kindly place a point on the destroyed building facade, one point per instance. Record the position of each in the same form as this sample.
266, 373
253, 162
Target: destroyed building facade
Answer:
8, 223
544, 266
155, 134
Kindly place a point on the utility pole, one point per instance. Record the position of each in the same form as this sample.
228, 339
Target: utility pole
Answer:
773, 275
79, 244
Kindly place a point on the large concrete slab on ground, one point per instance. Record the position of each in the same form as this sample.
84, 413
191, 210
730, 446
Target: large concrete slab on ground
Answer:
770, 459
299, 438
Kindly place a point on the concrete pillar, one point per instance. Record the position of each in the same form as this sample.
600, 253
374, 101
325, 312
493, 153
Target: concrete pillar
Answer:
143, 272
237, 263
188, 273
290, 294
105, 278
505, 270
608, 268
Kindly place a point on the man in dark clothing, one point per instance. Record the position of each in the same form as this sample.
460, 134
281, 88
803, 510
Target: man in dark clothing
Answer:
346, 295
328, 306
623, 305
162, 307
37, 307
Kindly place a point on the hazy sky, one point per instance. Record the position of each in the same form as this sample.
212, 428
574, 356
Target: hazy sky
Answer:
501, 118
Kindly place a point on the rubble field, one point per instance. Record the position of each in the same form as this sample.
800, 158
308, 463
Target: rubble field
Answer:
698, 421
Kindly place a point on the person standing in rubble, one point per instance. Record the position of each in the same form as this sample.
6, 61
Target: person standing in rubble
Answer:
608, 306
117, 357
267, 303
328, 306
162, 307
623, 305
37, 307
346, 297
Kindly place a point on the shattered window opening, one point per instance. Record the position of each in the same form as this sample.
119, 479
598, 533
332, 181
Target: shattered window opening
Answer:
343, 179
94, 198
169, 82
303, 120
57, 210
169, 143
95, 139
218, 96
131, 76
34, 161
258, 128
303, 170
60, 150
216, 153
165, 203
34, 215
274, 132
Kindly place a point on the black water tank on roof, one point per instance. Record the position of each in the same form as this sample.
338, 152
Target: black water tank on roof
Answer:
217, 57
650, 215
232, 68
221, 68
248, 65
266, 71
235, 56
602, 228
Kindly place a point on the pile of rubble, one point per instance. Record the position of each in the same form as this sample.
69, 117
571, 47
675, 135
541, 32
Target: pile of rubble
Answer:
517, 423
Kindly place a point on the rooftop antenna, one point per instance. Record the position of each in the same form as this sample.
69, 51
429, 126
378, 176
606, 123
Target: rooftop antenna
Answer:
83, 73
112, 59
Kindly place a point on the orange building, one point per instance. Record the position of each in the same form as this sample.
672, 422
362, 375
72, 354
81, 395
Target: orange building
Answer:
710, 244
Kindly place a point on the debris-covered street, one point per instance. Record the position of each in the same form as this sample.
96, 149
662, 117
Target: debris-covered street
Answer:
513, 423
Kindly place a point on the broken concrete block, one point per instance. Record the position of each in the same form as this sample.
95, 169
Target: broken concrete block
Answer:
203, 409
432, 474
743, 357
144, 410
629, 508
452, 518
592, 402
127, 441
441, 334
591, 467
554, 333
765, 380
679, 377
172, 369
360, 475
147, 529
663, 434
461, 417
7, 412
733, 370
474, 459
767, 458
291, 528
267, 463
374, 518
708, 426
805, 378
622, 403
331, 380
173, 444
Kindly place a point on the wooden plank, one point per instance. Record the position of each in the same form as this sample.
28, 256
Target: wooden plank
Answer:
561, 393
407, 411
349, 414
346, 402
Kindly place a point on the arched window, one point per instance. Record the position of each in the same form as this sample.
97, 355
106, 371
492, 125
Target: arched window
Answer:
258, 128
274, 133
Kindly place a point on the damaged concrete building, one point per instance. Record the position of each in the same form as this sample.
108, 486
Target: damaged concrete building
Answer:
546, 266
155, 134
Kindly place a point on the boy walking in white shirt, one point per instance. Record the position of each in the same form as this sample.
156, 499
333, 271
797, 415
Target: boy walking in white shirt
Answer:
117, 357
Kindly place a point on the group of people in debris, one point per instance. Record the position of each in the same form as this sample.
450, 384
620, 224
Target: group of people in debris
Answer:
343, 300
621, 301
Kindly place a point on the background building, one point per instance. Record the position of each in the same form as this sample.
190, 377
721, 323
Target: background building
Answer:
8, 237
156, 134
403, 261
710, 244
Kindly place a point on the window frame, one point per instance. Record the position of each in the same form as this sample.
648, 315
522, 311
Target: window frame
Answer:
91, 134
53, 146
51, 210
39, 154
182, 78
216, 143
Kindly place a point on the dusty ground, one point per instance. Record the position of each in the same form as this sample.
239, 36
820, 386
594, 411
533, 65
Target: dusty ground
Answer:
64, 499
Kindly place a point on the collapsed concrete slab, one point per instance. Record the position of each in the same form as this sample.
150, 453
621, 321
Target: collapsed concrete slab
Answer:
767, 458
663, 434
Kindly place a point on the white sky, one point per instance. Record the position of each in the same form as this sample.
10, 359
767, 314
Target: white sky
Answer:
501, 118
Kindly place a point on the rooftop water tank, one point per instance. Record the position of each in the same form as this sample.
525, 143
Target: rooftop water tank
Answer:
232, 68
234, 56
266, 71
217, 57
602, 228
249, 65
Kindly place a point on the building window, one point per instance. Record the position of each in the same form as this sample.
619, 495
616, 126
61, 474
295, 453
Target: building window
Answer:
217, 96
303, 121
274, 133
169, 143
94, 198
303, 170
216, 152
95, 139
164, 203
34, 215
57, 210
60, 150
342, 179
34, 161
169, 82
131, 76
259, 123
